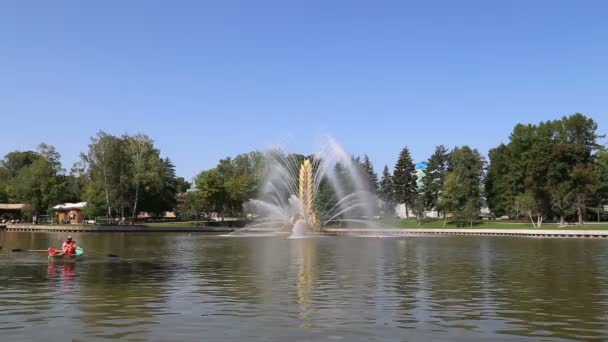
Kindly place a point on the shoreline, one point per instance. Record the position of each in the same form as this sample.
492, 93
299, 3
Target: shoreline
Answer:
111, 229
546, 233
371, 232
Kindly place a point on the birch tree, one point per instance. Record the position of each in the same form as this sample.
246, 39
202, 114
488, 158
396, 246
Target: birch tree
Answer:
145, 164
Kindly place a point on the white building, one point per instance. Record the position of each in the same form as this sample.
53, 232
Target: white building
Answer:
400, 209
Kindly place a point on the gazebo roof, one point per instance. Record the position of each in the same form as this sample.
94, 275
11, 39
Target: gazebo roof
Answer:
12, 206
69, 206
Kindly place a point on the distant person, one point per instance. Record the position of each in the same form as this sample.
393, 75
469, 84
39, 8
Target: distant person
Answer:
69, 246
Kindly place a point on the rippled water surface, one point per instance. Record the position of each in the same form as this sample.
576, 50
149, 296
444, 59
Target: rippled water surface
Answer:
177, 287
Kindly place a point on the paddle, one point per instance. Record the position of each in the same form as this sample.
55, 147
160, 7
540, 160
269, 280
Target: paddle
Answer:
16, 250
109, 255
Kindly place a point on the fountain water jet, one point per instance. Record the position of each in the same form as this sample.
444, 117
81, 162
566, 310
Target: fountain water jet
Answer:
297, 192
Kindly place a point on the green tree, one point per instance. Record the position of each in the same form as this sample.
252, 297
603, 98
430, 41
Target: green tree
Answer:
585, 181
4, 184
227, 187
38, 184
501, 182
75, 183
325, 200
577, 129
370, 175
462, 196
10, 167
182, 185
210, 195
506, 177
563, 200
146, 166
549, 178
387, 191
419, 207
15, 161
105, 163
404, 180
434, 181
533, 206
540, 160
125, 175
600, 195
452, 196
162, 195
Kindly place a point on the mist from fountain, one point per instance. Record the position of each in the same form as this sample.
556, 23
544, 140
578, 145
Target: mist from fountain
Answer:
300, 196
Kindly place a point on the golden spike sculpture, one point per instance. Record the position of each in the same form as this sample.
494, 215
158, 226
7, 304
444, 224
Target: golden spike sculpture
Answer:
307, 193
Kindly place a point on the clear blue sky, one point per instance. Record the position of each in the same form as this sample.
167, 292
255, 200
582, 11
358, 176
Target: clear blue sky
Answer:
208, 79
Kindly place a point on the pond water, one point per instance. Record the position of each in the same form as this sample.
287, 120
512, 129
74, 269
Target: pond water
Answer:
182, 287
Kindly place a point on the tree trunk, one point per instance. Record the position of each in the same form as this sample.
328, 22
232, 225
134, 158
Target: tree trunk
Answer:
445, 220
134, 215
105, 180
561, 220
540, 221
407, 214
532, 219
579, 209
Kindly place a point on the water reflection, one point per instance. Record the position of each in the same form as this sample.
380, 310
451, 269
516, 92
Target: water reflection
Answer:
64, 270
188, 288
306, 279
558, 289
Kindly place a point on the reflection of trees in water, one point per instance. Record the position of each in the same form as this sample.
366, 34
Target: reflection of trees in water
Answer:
241, 269
529, 287
456, 282
406, 275
28, 292
26, 297
353, 282
129, 245
29, 240
266, 272
552, 286
120, 298
27, 271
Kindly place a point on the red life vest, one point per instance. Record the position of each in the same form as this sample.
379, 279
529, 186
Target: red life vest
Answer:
69, 247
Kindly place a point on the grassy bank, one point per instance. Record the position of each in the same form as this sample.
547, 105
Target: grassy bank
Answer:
413, 224
226, 223
171, 224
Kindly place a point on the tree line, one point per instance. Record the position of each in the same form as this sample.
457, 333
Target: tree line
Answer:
118, 176
226, 188
554, 170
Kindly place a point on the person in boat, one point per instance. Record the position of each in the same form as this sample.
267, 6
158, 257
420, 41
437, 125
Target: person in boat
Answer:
69, 246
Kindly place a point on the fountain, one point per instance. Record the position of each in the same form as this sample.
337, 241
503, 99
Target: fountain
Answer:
302, 195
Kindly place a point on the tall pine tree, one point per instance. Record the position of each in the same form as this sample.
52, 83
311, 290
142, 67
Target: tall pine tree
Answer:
370, 175
387, 191
434, 180
404, 179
